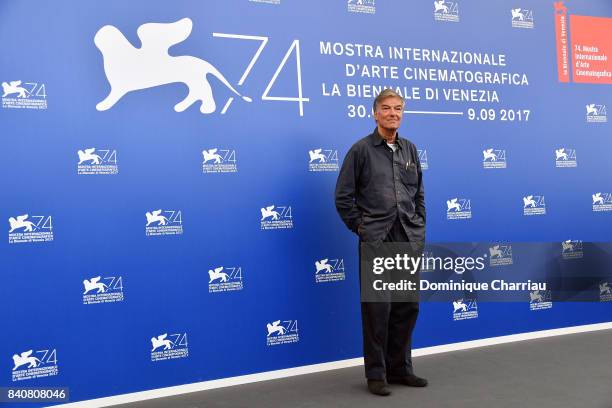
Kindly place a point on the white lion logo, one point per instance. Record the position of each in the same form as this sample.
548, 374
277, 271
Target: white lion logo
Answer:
567, 246
269, 212
88, 154
535, 296
604, 288
211, 155
130, 69
592, 110
20, 222
160, 341
529, 202
459, 305
275, 327
453, 205
597, 198
316, 155
440, 6
94, 283
560, 153
217, 273
25, 358
516, 13
155, 216
13, 87
322, 265
495, 252
488, 154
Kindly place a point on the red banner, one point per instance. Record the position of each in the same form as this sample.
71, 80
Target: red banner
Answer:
561, 28
591, 39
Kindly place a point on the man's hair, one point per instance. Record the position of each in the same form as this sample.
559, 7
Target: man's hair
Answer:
386, 93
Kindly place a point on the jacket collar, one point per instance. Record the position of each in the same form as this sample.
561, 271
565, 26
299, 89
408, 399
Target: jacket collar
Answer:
377, 139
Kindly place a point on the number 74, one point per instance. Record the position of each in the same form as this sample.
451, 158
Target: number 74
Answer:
295, 46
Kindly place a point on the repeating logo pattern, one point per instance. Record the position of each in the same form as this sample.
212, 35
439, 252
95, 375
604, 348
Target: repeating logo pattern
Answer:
164, 222
30, 228
522, 18
329, 270
540, 300
219, 161
565, 157
323, 160
282, 332
458, 209
602, 201
494, 158
97, 161
102, 290
35, 364
447, 11
500, 255
534, 205
571, 249
24, 95
169, 346
596, 113
464, 309
276, 217
225, 279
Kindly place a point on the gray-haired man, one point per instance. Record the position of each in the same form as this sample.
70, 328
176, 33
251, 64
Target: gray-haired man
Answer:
380, 197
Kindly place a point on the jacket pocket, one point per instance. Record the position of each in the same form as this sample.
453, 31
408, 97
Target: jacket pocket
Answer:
409, 175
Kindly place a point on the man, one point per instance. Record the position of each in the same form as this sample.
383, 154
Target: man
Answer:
380, 197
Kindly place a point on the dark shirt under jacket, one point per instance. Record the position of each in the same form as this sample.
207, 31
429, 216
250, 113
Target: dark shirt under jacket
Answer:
376, 185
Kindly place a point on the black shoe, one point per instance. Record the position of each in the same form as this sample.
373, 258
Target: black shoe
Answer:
410, 380
378, 387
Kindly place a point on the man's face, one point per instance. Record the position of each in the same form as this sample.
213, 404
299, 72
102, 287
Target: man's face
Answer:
389, 113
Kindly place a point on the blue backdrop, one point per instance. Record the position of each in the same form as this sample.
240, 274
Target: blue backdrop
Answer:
117, 296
